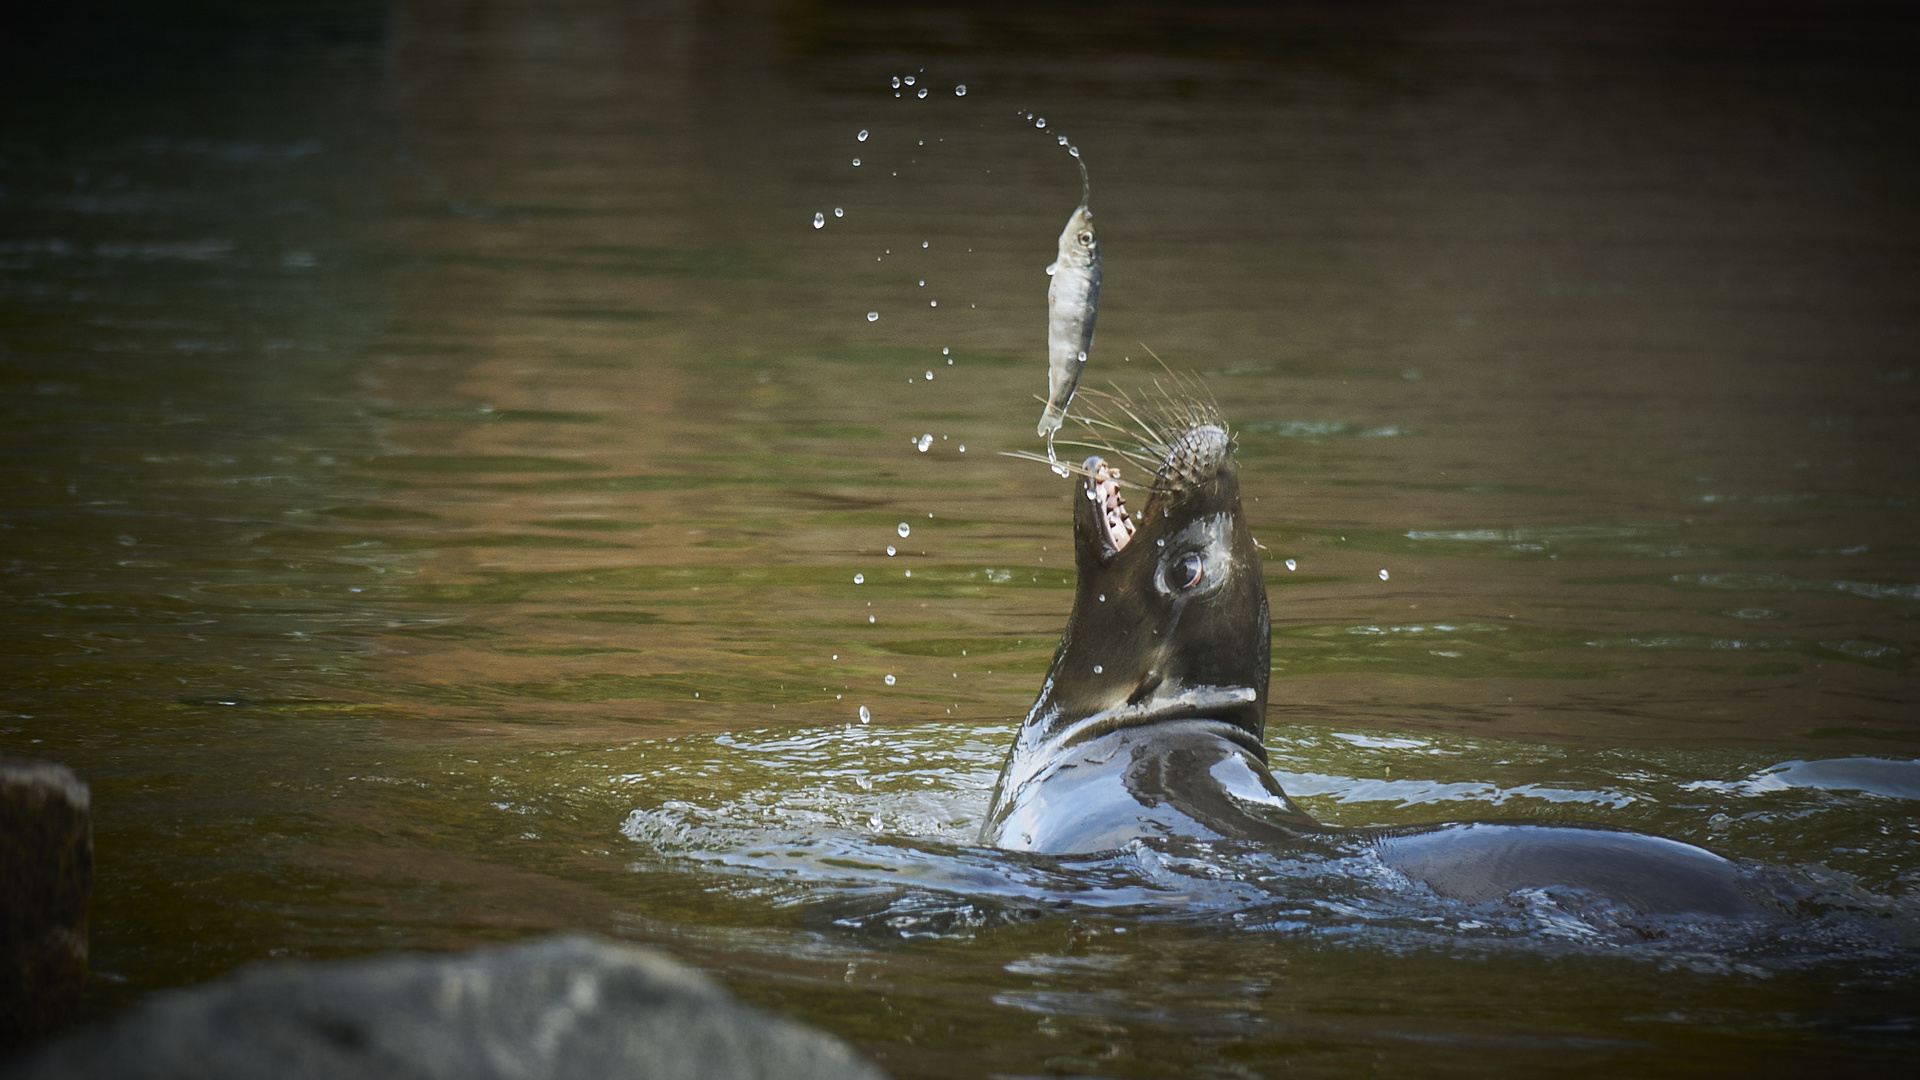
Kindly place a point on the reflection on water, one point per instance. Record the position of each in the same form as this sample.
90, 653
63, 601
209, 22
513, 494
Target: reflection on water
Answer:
449, 482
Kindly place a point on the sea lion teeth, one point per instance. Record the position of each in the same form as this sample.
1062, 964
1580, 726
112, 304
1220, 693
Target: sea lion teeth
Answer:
1105, 491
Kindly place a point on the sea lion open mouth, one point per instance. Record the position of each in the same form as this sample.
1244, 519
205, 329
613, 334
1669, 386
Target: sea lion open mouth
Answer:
1116, 524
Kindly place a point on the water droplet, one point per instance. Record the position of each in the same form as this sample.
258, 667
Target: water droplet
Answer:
890, 680
960, 91
1291, 565
963, 448
859, 579
1160, 542
905, 530
929, 374
889, 549
923, 243
819, 221
896, 82
1383, 573
836, 656
856, 163
1039, 121
909, 80
869, 618
1083, 356
923, 91
933, 303
1051, 268
949, 361
1073, 151
862, 137
923, 283
909, 573
837, 212
1098, 670
1059, 469
925, 441
865, 716
943, 350
1062, 138
1103, 598
873, 316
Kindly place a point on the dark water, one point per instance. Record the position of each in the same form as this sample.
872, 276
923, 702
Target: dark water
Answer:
439, 450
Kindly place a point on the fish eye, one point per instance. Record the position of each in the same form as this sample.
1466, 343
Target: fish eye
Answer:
1186, 571
1086, 239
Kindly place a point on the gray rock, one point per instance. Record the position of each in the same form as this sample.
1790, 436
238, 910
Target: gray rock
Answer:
46, 873
565, 1007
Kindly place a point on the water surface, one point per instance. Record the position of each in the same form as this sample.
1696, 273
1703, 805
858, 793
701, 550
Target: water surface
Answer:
441, 449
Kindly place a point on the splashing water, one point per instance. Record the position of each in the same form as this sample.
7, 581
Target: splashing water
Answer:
730, 804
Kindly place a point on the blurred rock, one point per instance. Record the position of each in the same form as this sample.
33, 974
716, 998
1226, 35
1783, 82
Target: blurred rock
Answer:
565, 1007
46, 872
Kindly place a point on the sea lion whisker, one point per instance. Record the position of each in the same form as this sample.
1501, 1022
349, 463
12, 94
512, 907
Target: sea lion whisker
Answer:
1143, 458
1153, 434
1077, 470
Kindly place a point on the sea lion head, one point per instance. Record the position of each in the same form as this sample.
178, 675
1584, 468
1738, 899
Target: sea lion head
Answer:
1169, 620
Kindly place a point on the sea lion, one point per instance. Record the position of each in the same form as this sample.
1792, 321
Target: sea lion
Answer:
1152, 716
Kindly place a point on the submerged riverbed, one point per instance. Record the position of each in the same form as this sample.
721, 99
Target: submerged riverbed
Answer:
468, 468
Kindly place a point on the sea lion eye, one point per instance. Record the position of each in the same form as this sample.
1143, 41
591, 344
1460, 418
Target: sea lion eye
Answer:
1186, 571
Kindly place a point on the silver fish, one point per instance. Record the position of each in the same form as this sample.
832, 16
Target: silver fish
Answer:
1073, 298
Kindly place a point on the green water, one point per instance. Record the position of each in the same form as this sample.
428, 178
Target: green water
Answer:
439, 450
